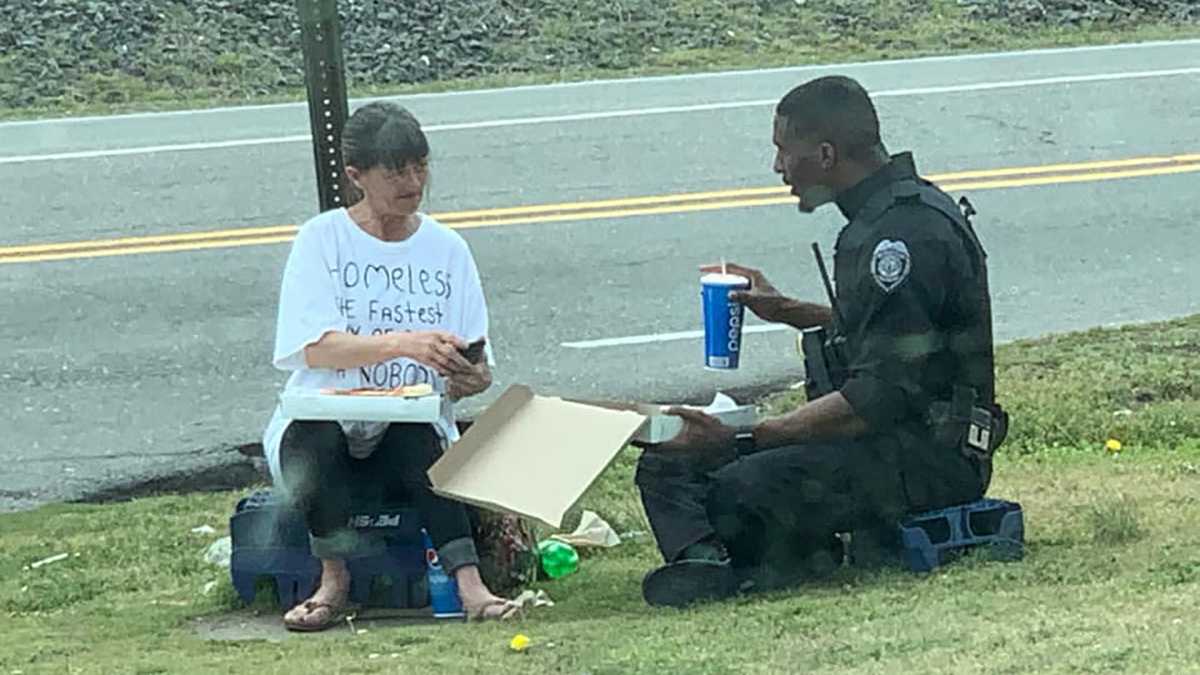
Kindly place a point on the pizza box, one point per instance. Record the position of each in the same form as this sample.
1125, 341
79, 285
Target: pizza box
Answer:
535, 456
313, 404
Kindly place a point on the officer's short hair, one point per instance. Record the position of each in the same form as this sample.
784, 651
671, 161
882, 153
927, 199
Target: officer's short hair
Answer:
837, 109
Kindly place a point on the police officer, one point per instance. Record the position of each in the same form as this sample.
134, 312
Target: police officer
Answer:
910, 424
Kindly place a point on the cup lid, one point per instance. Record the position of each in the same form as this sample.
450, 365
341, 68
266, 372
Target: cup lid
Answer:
718, 279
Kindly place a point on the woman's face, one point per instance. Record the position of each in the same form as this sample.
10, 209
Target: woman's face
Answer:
392, 192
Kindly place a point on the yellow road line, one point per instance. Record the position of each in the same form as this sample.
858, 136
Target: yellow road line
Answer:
501, 213
1068, 168
788, 199
1072, 178
627, 213
154, 248
984, 179
507, 213
605, 204
238, 233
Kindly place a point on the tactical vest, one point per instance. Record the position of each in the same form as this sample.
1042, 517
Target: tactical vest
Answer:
979, 375
971, 421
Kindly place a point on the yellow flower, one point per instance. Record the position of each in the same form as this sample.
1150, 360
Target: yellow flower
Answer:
1113, 445
519, 642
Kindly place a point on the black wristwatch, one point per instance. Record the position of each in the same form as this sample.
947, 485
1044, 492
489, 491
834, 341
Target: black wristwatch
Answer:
743, 441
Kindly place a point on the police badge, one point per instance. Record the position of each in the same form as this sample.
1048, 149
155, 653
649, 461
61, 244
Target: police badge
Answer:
890, 264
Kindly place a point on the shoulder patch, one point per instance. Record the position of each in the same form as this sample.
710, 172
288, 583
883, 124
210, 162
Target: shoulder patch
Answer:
890, 264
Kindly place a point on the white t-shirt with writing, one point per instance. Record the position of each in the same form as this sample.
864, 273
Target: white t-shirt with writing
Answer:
340, 278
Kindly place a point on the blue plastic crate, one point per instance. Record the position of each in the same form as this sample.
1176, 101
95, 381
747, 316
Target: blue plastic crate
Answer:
294, 573
933, 538
270, 540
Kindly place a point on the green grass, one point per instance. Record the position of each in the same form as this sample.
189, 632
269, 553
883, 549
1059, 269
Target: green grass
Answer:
591, 40
1108, 584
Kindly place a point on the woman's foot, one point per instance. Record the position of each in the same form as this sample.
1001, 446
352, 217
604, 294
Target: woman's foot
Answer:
325, 606
479, 603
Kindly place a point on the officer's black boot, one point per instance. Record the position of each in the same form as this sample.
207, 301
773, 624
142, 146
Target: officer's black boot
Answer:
701, 572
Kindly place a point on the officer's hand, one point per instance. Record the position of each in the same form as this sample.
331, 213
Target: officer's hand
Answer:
703, 439
763, 299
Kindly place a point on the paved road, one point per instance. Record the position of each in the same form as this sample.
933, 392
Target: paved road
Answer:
145, 364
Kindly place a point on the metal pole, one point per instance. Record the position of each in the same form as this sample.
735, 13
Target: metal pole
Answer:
328, 109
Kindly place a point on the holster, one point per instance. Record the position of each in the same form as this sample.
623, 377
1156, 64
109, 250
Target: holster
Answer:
975, 430
824, 362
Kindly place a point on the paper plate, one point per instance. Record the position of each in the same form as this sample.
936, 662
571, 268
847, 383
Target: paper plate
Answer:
313, 405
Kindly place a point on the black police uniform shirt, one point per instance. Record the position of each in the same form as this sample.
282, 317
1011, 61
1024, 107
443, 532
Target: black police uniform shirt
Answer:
913, 294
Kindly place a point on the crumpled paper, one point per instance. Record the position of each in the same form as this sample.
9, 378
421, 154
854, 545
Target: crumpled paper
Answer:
721, 402
592, 531
530, 599
220, 552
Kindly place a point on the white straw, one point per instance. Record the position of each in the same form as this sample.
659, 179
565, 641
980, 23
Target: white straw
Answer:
722, 264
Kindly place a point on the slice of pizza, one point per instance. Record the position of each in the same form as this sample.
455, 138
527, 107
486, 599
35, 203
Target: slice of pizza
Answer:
411, 391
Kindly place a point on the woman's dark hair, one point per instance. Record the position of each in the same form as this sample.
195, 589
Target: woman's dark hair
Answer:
383, 134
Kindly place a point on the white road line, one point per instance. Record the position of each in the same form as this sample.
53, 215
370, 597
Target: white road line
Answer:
154, 149
665, 337
609, 114
647, 80
1040, 82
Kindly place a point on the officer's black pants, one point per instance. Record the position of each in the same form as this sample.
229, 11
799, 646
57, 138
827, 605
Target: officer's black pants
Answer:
775, 509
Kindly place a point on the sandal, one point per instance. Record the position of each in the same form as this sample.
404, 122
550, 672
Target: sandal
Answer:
333, 615
508, 609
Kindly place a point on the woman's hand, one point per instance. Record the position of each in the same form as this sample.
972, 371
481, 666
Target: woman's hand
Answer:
437, 349
465, 385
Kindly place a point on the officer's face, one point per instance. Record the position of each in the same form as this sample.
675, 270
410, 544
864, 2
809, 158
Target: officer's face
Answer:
805, 165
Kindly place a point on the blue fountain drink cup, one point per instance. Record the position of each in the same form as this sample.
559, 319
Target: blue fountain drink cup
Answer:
722, 320
443, 589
